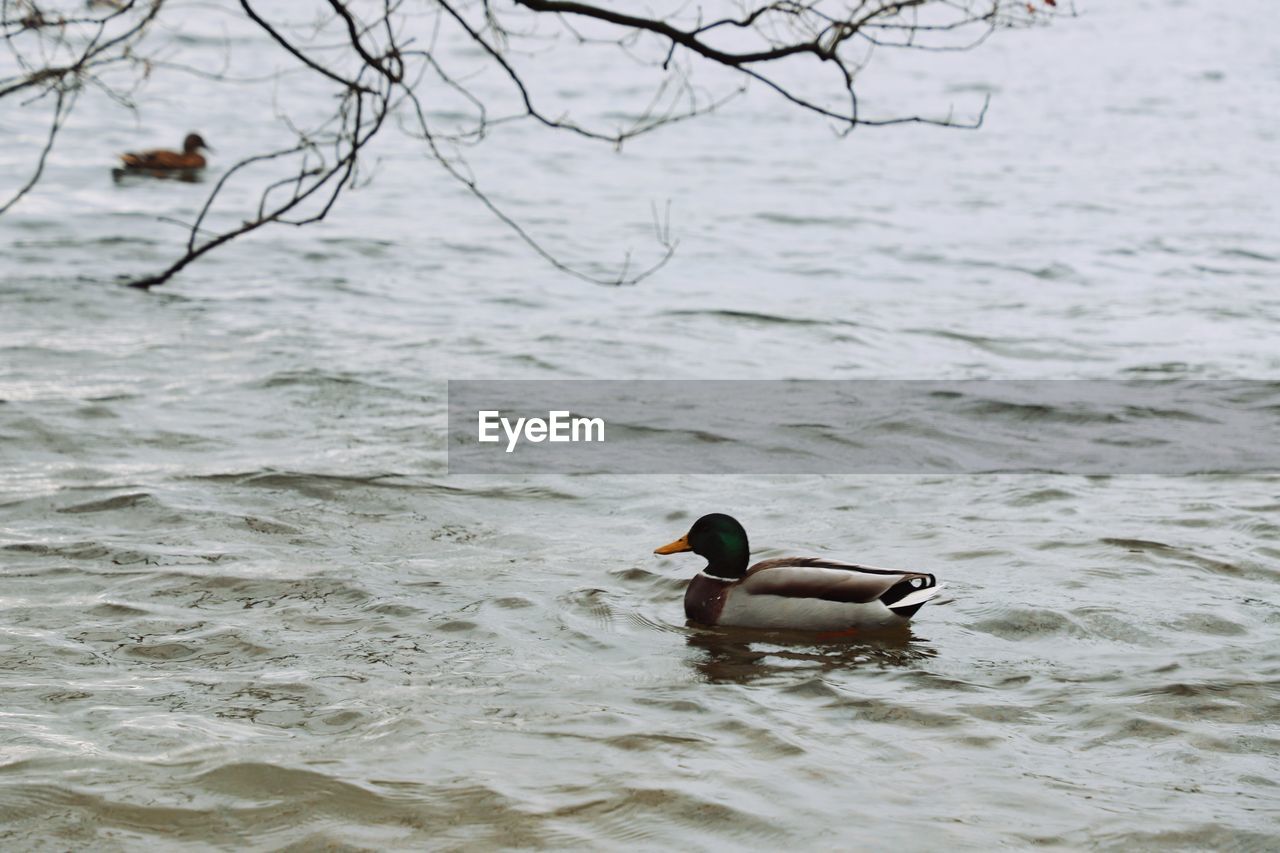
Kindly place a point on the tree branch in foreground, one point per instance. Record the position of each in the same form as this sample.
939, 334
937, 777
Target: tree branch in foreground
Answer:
384, 60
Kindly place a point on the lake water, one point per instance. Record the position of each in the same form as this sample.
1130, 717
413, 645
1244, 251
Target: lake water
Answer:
245, 607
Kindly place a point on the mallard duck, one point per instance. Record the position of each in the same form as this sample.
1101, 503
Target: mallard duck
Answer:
798, 593
161, 159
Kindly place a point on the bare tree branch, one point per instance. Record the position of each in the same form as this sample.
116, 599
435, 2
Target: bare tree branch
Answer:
385, 59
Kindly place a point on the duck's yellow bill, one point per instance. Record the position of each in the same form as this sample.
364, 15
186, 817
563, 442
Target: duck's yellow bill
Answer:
681, 544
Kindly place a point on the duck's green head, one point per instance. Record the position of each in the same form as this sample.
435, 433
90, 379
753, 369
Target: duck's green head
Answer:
719, 538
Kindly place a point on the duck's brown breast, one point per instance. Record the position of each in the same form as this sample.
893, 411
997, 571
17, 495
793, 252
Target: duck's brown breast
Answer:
704, 598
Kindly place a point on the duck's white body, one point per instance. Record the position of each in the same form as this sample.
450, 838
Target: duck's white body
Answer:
809, 594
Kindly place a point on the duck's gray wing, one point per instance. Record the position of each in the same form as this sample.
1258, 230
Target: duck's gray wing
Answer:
832, 580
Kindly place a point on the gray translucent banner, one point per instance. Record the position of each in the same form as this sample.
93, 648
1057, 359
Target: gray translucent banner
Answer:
1095, 427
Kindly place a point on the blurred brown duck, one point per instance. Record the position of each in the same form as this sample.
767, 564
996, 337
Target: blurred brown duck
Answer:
162, 159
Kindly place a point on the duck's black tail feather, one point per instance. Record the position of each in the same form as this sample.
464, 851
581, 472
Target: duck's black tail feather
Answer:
910, 594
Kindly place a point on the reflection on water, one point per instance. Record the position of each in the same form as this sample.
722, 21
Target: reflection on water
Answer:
187, 176
739, 656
